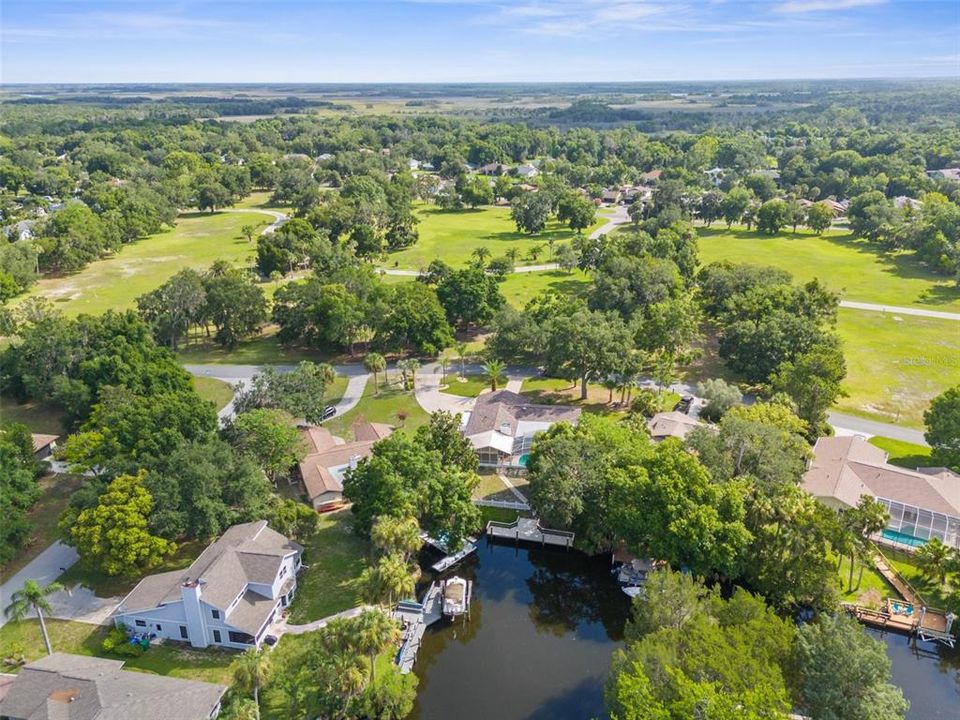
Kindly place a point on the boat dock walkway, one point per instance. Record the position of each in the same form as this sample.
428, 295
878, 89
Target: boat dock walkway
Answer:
448, 561
926, 623
529, 530
416, 617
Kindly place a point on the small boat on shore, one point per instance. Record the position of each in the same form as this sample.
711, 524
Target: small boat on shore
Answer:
456, 596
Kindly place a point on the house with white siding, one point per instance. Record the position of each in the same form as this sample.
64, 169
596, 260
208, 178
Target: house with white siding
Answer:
227, 597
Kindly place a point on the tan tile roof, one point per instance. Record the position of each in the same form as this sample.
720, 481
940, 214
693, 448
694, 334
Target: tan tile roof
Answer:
318, 439
845, 468
367, 431
40, 441
315, 468
75, 687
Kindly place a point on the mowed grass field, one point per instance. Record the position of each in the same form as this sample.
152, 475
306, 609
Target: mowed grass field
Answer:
857, 269
453, 235
896, 364
115, 282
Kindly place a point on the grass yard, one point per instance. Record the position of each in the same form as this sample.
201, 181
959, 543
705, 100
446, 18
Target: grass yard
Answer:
903, 453
44, 516
521, 288
872, 582
857, 268
173, 659
106, 586
452, 235
115, 282
933, 593
468, 386
381, 407
264, 349
491, 487
896, 365
335, 558
216, 391
555, 391
40, 417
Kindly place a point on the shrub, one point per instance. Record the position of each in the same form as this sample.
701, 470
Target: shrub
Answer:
118, 642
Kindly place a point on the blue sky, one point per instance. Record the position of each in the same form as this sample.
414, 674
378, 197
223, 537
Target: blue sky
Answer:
475, 40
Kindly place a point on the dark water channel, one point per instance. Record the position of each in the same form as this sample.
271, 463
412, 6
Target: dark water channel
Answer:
543, 627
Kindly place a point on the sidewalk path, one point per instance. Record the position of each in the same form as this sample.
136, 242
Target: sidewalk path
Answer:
852, 425
44, 568
279, 218
920, 312
282, 627
620, 216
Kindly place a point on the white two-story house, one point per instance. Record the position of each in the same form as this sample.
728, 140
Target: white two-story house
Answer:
227, 597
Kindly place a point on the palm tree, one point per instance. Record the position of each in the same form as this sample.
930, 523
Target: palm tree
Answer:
33, 597
375, 363
493, 371
375, 633
410, 365
535, 251
934, 559
550, 241
481, 254
444, 363
461, 348
512, 254
250, 674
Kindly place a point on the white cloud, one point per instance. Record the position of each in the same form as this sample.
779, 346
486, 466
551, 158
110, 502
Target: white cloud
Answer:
805, 6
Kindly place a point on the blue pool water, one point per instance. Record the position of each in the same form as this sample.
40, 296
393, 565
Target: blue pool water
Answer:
523, 460
903, 538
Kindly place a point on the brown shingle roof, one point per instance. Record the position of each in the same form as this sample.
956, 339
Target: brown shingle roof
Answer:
497, 409
76, 687
671, 424
41, 441
845, 468
315, 469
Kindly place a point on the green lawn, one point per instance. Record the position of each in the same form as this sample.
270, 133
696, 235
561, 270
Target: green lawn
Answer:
552, 391
335, 558
452, 235
264, 349
903, 453
860, 270
871, 581
933, 593
896, 364
44, 515
521, 288
40, 417
173, 659
468, 386
381, 407
115, 282
216, 391
491, 487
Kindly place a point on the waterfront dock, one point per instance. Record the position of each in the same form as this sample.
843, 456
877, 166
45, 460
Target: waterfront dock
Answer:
415, 617
529, 530
449, 559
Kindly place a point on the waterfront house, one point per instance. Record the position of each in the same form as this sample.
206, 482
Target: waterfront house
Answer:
227, 597
328, 460
43, 445
922, 503
502, 426
77, 687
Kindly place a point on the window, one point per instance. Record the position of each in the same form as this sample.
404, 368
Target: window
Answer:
283, 571
216, 636
241, 638
183, 631
216, 614
159, 626
140, 623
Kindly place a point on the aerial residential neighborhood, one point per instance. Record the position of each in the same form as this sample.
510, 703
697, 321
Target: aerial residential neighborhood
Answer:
425, 360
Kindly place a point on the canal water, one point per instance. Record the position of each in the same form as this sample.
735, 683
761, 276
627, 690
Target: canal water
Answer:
543, 626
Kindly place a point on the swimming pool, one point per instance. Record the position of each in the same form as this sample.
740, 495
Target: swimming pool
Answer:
524, 459
903, 538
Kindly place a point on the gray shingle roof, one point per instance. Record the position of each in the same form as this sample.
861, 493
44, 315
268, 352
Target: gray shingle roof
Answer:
250, 552
497, 409
74, 687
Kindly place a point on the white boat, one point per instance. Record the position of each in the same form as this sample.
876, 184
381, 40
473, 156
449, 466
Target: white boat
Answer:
456, 596
632, 591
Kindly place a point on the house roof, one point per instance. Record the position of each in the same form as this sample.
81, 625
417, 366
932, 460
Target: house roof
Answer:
671, 424
321, 471
75, 687
41, 441
246, 553
318, 439
845, 468
505, 410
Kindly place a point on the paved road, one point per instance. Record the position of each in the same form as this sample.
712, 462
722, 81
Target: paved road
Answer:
44, 568
240, 375
279, 218
920, 312
620, 216
860, 426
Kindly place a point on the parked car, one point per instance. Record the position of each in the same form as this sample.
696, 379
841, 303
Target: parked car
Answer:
684, 405
328, 412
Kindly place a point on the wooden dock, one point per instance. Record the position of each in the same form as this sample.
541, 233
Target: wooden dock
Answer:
415, 618
529, 530
928, 624
448, 560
